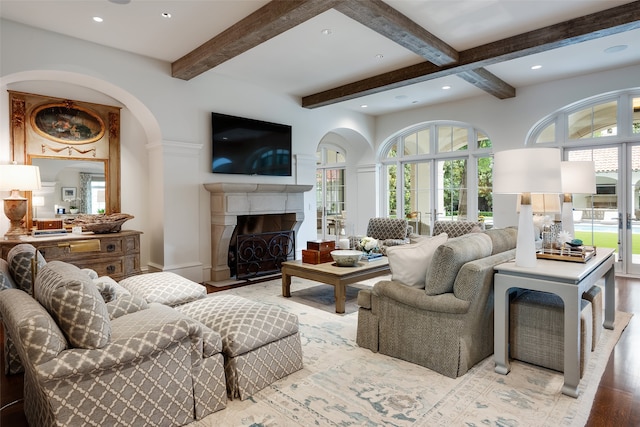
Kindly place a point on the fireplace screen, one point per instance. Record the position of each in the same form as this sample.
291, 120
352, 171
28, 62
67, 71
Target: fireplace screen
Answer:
263, 253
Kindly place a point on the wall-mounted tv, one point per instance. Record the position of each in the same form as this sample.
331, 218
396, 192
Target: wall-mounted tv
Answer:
250, 147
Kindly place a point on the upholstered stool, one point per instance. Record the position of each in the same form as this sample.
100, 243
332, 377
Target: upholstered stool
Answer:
594, 296
536, 330
164, 287
260, 342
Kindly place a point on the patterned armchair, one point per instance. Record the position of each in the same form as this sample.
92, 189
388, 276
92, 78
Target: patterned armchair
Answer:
388, 232
123, 362
457, 228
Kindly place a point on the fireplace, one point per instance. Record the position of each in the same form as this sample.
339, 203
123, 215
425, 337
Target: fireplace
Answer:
260, 244
271, 205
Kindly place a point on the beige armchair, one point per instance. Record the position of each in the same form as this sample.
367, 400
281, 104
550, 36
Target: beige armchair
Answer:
447, 325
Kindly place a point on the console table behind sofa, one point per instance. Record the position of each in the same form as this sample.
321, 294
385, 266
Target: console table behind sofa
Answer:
115, 254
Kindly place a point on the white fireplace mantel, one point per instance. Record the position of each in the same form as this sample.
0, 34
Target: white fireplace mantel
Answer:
229, 200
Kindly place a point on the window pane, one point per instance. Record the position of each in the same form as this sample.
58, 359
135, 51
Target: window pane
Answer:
453, 191
547, 135
332, 156
452, 138
410, 144
418, 196
318, 157
636, 115
392, 179
485, 190
483, 141
393, 152
417, 143
594, 122
335, 191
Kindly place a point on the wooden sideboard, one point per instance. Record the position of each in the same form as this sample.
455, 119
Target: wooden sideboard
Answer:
115, 254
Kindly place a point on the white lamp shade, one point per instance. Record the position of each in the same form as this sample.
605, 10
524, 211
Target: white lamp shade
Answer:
19, 177
543, 203
527, 170
578, 177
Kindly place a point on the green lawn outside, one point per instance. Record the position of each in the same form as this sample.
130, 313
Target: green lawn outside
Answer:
606, 240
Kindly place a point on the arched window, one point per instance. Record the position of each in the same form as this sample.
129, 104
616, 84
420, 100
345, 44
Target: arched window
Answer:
604, 129
436, 171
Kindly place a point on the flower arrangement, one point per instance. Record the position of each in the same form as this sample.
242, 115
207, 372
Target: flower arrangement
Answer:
368, 245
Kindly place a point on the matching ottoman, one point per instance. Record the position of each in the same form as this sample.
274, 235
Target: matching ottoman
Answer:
260, 342
536, 330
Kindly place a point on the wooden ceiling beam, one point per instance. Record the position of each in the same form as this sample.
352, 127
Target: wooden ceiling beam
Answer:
265, 23
490, 83
387, 21
608, 22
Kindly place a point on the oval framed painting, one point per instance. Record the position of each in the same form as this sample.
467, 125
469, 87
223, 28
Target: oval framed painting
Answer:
67, 124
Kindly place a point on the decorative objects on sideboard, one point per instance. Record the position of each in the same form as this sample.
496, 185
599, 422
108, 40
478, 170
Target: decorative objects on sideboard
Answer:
526, 171
16, 178
101, 223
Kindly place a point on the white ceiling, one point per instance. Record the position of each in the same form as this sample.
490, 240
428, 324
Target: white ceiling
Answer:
303, 61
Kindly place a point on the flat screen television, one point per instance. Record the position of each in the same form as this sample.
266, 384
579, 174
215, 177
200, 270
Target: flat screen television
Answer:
250, 147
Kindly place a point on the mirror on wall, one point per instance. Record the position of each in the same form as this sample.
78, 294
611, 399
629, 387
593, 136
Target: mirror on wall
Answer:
69, 187
76, 145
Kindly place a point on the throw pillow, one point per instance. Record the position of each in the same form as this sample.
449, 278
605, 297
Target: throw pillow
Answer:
19, 259
75, 303
6, 281
451, 256
410, 263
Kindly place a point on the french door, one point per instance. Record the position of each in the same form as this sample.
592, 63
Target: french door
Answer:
330, 202
611, 217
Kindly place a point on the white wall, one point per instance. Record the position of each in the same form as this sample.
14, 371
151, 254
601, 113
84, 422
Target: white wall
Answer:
166, 133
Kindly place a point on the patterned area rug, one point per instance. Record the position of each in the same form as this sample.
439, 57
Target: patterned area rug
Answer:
342, 384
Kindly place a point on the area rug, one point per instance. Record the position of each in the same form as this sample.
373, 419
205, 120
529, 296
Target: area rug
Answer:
342, 384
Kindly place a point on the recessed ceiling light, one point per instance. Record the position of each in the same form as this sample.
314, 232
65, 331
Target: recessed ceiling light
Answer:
617, 48
326, 32
536, 67
165, 15
446, 87
379, 56
400, 97
120, 1
364, 106
97, 19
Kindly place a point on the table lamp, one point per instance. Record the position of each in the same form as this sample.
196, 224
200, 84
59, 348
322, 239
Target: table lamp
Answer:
525, 171
17, 178
577, 177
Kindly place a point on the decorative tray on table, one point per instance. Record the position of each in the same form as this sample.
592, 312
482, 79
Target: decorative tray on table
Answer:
568, 253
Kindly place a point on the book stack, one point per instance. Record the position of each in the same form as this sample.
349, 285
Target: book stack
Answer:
48, 233
318, 251
371, 256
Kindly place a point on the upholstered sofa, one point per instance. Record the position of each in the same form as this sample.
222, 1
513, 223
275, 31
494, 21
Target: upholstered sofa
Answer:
437, 311
123, 362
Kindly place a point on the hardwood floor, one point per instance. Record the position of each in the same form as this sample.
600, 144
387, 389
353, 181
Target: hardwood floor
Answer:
615, 404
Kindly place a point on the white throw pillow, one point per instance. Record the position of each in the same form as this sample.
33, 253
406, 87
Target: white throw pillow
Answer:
410, 263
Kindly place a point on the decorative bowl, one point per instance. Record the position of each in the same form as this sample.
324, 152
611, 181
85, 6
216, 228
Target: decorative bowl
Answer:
346, 258
101, 223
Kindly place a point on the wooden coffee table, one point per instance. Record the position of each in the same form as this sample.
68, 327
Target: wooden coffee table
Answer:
330, 274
